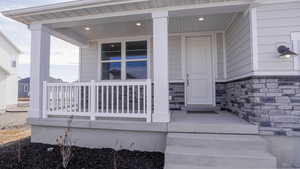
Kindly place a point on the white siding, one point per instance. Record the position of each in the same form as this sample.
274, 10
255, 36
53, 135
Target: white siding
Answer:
3, 77
220, 56
89, 63
275, 23
175, 68
238, 47
8, 73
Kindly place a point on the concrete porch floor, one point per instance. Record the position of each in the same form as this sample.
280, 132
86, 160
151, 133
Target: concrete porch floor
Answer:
222, 122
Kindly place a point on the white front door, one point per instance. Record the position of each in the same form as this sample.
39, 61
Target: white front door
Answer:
199, 70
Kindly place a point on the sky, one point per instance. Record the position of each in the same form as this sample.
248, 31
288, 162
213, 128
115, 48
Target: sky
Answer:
64, 57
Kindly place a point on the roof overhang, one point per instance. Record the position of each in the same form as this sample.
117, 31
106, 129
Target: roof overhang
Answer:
82, 9
92, 9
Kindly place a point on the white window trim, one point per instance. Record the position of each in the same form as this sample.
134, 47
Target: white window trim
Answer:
295, 36
123, 56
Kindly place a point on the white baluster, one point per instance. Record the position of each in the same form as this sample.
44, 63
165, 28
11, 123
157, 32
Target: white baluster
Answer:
107, 99
117, 87
133, 99
102, 99
112, 98
122, 99
138, 99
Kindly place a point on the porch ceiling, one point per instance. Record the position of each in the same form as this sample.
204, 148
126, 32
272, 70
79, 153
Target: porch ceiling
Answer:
127, 27
95, 8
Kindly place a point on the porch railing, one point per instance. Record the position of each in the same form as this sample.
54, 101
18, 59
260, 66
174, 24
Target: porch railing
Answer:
98, 99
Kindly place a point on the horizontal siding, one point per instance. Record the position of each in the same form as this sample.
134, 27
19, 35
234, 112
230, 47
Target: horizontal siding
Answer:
175, 69
238, 47
89, 63
220, 56
275, 23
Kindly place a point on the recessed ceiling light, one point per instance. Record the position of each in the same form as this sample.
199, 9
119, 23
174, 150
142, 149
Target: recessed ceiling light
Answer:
87, 28
138, 24
201, 19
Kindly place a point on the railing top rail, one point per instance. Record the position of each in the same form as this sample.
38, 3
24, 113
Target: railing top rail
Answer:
104, 83
69, 84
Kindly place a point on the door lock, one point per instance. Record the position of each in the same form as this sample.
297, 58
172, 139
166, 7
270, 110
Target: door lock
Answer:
187, 80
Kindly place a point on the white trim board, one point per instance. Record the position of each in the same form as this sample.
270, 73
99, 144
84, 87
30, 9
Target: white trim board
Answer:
253, 37
262, 73
295, 37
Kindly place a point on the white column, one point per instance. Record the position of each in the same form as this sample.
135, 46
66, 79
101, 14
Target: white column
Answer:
160, 67
40, 58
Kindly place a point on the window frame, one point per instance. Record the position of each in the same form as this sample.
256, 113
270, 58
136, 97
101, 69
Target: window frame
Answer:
124, 60
109, 61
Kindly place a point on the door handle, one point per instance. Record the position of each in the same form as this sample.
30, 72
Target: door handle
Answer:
187, 80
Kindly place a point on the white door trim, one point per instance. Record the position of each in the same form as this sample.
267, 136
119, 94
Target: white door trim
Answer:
295, 36
214, 59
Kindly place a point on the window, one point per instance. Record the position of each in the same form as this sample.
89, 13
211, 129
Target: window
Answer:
26, 88
130, 64
14, 64
111, 61
136, 60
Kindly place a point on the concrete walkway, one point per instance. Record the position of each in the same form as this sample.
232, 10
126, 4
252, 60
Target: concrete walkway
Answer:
11, 120
13, 126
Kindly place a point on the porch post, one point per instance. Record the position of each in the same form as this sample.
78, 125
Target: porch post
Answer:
40, 58
160, 66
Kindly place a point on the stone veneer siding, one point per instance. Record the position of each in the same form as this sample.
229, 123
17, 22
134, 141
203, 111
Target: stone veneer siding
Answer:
176, 92
271, 102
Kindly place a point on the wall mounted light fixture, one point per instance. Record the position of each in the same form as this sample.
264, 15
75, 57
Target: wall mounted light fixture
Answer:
285, 52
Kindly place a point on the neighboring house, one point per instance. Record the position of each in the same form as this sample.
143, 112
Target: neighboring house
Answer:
23, 89
8, 72
24, 86
141, 58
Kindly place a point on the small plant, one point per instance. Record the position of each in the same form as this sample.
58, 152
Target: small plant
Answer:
19, 155
65, 145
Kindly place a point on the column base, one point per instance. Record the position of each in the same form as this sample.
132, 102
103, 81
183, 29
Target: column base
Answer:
161, 117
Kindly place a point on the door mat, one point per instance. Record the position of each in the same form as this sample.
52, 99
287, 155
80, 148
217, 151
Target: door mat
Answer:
202, 112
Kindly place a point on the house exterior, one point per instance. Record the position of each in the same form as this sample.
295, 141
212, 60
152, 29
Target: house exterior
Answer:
8, 72
24, 86
145, 64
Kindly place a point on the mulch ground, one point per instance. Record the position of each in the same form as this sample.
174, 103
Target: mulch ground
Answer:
39, 156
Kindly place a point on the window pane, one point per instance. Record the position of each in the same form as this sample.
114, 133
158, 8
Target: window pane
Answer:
136, 50
136, 70
111, 71
111, 51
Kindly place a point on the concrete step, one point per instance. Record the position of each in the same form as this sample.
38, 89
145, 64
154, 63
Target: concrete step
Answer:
17, 108
181, 166
217, 141
211, 157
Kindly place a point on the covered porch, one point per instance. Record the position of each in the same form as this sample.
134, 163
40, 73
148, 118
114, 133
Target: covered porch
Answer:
145, 136
129, 61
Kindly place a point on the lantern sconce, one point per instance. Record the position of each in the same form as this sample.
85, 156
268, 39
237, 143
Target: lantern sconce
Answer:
285, 52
